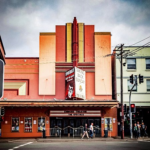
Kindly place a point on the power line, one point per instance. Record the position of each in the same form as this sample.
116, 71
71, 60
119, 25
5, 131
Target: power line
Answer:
140, 41
133, 52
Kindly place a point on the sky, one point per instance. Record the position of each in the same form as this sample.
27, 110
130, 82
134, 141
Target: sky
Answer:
21, 21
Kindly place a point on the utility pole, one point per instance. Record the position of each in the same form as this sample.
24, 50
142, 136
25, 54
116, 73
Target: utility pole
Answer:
122, 55
121, 87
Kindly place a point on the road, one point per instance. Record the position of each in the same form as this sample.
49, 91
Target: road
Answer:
77, 145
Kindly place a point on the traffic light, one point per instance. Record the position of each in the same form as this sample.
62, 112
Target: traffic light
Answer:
125, 108
1, 77
2, 118
133, 108
131, 79
140, 79
133, 116
2, 111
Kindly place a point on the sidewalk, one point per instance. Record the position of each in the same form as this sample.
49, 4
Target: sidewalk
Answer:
71, 139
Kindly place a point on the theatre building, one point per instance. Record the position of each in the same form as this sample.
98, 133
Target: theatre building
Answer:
68, 85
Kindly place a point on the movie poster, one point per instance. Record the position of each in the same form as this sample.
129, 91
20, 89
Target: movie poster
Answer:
70, 84
75, 84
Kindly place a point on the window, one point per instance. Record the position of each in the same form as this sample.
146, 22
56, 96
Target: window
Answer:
148, 85
130, 86
15, 125
131, 63
28, 124
41, 124
147, 63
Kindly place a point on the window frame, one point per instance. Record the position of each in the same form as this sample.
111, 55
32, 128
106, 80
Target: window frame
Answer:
146, 63
128, 64
148, 90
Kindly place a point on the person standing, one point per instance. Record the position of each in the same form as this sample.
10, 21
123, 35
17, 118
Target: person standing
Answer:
138, 131
135, 130
85, 131
142, 129
91, 130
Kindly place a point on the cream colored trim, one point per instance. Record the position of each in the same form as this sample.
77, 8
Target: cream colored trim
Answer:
81, 41
20, 86
69, 42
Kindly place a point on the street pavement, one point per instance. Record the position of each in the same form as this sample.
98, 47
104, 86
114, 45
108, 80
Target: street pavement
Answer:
74, 144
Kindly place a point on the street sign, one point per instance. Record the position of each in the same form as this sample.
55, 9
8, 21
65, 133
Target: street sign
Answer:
1, 78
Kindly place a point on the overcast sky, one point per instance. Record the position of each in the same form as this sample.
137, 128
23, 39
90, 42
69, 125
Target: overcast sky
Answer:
21, 21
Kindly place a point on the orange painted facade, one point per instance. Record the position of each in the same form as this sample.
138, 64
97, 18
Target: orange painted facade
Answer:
41, 81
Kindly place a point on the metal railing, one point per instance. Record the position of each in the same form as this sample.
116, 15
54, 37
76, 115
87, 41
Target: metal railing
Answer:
78, 131
56, 131
74, 132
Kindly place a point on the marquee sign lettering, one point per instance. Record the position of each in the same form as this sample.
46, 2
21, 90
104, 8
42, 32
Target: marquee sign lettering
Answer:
75, 113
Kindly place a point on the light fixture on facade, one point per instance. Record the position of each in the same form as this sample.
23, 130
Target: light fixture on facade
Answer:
5, 99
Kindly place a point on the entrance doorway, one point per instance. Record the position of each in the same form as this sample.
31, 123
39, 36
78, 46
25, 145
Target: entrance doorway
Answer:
73, 126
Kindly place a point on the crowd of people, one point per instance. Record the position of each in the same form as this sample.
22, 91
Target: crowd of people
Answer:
139, 130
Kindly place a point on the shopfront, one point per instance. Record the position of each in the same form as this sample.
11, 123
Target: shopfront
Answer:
74, 125
71, 122
58, 121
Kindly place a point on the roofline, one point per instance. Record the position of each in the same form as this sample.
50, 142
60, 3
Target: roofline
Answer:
2, 45
21, 57
102, 33
47, 33
134, 46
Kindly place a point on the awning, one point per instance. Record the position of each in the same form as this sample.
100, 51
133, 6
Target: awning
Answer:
59, 103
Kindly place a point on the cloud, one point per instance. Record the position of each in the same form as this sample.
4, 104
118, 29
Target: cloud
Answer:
22, 21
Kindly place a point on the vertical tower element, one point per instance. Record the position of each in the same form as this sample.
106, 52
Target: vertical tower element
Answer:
81, 42
75, 43
47, 59
69, 42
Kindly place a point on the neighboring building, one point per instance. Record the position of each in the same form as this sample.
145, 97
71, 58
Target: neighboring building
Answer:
2, 57
35, 95
136, 64
2, 50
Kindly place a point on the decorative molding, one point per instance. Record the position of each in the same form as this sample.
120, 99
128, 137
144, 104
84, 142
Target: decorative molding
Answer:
47, 33
20, 86
102, 33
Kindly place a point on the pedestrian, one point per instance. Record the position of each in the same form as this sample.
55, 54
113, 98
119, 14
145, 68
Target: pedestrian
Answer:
142, 129
138, 124
135, 130
91, 131
85, 132
138, 131
145, 133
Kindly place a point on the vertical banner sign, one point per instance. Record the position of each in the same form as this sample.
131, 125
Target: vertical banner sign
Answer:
1, 78
79, 83
75, 84
70, 84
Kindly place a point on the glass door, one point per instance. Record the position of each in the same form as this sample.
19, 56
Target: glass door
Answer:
65, 125
97, 128
72, 125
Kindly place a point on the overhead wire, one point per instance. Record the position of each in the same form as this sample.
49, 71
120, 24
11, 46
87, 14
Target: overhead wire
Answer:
133, 52
140, 41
